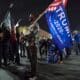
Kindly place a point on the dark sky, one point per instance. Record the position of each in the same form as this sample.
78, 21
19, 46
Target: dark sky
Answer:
22, 9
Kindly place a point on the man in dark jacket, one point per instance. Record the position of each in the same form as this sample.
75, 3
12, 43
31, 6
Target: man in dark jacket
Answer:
6, 40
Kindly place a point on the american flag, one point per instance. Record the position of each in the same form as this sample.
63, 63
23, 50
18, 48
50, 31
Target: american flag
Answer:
56, 3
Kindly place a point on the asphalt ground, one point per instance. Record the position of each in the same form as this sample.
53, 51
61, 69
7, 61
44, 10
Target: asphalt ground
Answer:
69, 70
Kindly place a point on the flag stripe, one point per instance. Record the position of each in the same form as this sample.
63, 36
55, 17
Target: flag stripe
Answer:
56, 3
63, 1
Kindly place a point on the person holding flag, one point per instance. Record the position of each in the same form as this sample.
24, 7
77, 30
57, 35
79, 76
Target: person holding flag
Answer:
32, 48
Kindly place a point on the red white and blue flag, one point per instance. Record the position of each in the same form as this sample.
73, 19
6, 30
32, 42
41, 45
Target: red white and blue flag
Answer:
59, 24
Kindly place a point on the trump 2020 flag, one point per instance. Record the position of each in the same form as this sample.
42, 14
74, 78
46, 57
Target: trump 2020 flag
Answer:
59, 25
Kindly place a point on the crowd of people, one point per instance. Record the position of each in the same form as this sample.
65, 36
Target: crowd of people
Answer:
8, 46
14, 45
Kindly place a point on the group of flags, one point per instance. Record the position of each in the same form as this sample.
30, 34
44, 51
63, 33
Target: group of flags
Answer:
57, 21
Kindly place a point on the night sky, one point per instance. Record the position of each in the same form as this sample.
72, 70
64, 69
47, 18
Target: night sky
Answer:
22, 9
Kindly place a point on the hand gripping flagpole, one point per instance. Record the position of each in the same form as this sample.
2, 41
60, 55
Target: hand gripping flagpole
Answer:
38, 18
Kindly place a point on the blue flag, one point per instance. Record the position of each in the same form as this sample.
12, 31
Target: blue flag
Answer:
59, 27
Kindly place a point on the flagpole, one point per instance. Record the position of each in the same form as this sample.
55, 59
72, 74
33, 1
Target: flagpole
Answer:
38, 18
17, 24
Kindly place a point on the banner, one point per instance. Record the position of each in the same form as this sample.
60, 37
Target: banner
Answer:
7, 20
59, 26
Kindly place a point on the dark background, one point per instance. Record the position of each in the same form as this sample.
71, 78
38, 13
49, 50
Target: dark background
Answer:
22, 9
